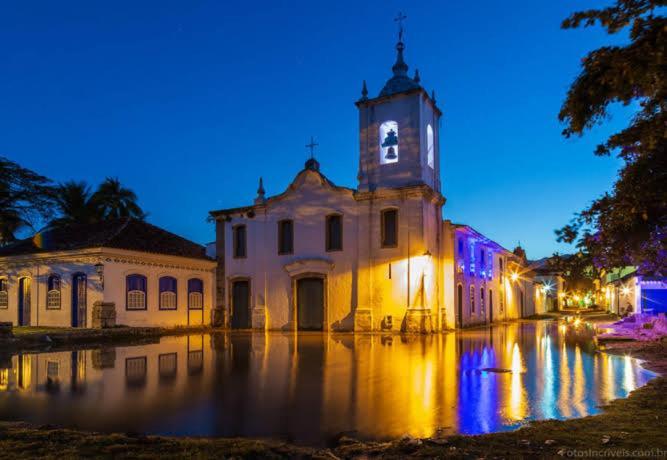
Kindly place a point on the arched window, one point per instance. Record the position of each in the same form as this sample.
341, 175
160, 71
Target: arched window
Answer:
53, 292
472, 299
4, 297
430, 154
389, 228
195, 294
334, 232
285, 237
168, 293
136, 288
388, 142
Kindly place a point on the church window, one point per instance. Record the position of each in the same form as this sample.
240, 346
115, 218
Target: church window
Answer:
388, 142
4, 297
285, 237
195, 294
430, 154
239, 241
334, 232
53, 292
136, 292
389, 228
168, 290
472, 299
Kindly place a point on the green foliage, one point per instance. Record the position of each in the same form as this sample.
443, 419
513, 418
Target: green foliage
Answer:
627, 226
25, 198
76, 204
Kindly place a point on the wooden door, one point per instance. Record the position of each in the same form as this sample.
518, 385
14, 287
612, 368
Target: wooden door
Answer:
310, 304
241, 305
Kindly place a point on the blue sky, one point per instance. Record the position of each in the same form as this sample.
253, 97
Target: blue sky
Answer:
189, 102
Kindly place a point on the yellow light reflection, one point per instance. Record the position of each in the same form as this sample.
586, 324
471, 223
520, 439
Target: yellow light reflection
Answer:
629, 383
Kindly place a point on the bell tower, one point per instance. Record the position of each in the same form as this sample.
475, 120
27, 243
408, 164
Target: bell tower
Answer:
399, 132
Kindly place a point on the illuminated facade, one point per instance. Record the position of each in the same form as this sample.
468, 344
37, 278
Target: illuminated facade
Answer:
118, 272
626, 291
375, 258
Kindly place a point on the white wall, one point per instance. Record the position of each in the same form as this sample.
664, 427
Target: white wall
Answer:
117, 264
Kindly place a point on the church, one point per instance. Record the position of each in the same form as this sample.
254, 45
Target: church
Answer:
378, 257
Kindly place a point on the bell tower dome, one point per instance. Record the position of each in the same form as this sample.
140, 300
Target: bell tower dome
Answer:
399, 132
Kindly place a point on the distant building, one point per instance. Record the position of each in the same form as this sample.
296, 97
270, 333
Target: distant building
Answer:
378, 257
127, 269
549, 286
626, 290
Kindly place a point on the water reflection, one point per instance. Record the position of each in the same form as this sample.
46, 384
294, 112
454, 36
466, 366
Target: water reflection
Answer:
309, 387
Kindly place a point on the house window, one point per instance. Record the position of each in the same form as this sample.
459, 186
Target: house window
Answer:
52, 370
195, 362
135, 372
168, 293
285, 237
491, 301
460, 244
136, 292
472, 299
240, 241
501, 268
334, 232
4, 297
482, 303
167, 366
430, 154
195, 294
502, 300
389, 235
388, 142
53, 292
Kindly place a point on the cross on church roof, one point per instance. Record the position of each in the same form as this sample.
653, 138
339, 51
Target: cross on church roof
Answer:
312, 146
400, 18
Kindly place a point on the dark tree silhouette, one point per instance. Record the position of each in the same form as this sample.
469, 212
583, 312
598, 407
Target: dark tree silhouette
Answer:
113, 201
627, 226
25, 198
74, 205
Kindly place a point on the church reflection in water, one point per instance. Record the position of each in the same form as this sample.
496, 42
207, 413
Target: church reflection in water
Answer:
310, 387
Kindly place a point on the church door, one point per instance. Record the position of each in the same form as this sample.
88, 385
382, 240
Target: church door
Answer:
241, 305
24, 302
310, 304
79, 302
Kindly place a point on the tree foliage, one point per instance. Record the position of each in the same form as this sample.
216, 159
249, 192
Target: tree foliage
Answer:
627, 226
76, 204
25, 199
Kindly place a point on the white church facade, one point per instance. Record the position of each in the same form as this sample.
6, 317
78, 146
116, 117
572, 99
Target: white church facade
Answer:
376, 258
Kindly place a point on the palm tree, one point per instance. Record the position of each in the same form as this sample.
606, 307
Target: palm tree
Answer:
74, 204
114, 201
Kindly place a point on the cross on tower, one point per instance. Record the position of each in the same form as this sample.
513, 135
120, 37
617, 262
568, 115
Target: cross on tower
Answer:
312, 146
400, 18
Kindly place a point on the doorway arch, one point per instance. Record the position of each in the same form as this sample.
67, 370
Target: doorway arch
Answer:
79, 299
24, 301
310, 303
240, 304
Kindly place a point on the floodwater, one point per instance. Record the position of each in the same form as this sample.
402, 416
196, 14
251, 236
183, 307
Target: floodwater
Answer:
308, 388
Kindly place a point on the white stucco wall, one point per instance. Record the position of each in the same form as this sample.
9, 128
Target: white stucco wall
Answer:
117, 265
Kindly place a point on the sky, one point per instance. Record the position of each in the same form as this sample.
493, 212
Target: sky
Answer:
188, 103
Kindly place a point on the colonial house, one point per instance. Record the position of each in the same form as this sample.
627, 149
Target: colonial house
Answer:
125, 271
378, 257
484, 282
549, 286
627, 290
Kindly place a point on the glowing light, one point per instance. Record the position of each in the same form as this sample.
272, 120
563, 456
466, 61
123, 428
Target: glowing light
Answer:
625, 291
514, 276
577, 322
